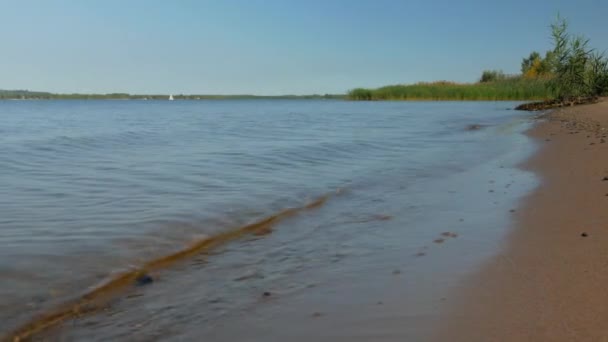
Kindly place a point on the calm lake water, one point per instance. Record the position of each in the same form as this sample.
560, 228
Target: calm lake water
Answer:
92, 188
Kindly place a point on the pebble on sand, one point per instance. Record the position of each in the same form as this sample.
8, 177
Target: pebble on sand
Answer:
474, 127
143, 279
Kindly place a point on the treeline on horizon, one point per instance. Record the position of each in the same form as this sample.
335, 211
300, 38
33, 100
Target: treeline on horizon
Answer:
571, 72
34, 95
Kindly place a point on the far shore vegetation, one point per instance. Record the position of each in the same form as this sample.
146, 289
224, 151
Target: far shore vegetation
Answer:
572, 72
36, 95
503, 88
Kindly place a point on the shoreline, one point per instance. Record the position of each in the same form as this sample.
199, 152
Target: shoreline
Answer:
548, 282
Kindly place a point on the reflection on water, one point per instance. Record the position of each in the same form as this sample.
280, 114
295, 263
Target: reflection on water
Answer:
89, 189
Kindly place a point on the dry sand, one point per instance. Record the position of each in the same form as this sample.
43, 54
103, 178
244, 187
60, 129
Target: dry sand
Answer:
551, 281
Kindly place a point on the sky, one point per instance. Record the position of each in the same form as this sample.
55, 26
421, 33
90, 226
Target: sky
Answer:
275, 46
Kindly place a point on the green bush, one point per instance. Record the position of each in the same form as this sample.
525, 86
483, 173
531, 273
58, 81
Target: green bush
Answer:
492, 76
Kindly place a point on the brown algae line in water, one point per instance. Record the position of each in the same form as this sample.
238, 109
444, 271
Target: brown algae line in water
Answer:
99, 297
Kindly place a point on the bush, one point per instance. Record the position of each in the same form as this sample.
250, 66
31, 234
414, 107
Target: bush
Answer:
536, 66
360, 94
492, 76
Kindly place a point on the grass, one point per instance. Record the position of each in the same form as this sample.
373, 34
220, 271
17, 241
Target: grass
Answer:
513, 88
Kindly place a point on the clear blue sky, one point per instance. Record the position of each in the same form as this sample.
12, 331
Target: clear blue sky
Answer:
272, 47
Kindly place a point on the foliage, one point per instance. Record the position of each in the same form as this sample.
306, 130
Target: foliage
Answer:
536, 66
509, 88
579, 70
361, 94
528, 63
492, 76
597, 74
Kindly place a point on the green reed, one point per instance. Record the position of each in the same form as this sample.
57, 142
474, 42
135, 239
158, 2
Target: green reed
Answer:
511, 88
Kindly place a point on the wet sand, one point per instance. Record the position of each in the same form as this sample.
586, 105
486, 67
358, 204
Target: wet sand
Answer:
549, 282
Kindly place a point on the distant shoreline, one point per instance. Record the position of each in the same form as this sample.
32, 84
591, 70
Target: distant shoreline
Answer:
32, 95
270, 98
415, 93
253, 97
435, 92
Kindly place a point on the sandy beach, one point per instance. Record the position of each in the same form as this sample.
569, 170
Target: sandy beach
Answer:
549, 282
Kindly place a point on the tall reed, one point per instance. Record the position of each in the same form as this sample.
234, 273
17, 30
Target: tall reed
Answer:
511, 88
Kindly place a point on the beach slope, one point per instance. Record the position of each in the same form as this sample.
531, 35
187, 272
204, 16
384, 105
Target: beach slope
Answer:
549, 283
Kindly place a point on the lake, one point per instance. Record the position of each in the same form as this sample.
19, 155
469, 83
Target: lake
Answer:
89, 189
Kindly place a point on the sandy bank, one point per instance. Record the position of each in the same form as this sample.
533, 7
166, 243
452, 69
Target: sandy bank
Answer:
549, 283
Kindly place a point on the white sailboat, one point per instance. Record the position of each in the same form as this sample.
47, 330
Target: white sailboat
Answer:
170, 97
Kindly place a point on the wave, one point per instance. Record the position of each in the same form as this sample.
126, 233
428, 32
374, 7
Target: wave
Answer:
99, 297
